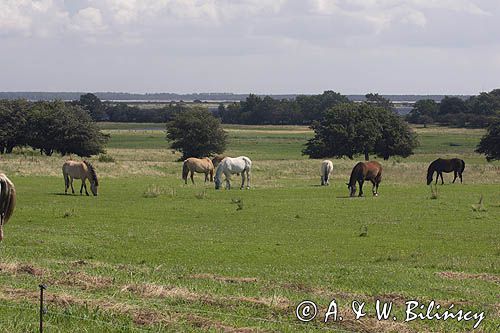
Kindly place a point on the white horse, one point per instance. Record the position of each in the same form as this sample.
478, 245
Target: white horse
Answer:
229, 166
326, 171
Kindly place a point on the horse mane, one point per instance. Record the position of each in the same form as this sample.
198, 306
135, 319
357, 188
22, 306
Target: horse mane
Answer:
92, 172
354, 173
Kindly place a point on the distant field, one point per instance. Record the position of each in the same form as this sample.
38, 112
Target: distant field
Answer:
152, 254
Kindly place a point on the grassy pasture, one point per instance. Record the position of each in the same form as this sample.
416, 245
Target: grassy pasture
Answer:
152, 254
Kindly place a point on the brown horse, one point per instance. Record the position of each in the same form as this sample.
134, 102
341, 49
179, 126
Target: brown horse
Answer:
79, 170
443, 165
362, 171
7, 201
200, 165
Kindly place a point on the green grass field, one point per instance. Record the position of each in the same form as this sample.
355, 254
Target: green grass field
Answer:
152, 254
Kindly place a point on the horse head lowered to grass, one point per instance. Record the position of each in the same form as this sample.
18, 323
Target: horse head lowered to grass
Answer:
80, 170
362, 171
229, 166
445, 165
7, 201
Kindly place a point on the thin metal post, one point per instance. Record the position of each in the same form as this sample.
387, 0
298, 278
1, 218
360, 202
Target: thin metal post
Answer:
42, 310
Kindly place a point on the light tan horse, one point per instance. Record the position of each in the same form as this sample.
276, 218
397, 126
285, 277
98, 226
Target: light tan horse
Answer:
200, 165
7, 201
80, 170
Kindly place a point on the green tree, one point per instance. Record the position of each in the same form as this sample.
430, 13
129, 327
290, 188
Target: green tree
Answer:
67, 129
379, 100
196, 133
424, 111
490, 143
350, 129
94, 106
12, 124
396, 137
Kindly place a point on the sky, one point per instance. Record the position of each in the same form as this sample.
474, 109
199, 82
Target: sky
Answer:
251, 46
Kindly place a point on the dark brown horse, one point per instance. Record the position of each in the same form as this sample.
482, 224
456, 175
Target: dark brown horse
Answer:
442, 165
362, 171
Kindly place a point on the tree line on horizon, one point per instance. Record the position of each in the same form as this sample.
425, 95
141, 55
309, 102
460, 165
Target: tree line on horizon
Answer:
478, 111
342, 128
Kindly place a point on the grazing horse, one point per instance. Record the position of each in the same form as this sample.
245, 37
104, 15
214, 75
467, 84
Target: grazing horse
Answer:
326, 171
443, 165
79, 170
200, 165
217, 159
362, 171
230, 166
7, 201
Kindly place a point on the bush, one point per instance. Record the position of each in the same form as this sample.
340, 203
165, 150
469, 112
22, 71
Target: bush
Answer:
196, 133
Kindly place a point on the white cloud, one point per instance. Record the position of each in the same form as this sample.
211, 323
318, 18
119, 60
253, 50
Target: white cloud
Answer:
259, 38
88, 20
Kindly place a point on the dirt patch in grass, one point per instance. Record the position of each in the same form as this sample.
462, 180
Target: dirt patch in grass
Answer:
157, 291
140, 316
369, 324
84, 281
153, 290
208, 324
17, 268
220, 278
464, 276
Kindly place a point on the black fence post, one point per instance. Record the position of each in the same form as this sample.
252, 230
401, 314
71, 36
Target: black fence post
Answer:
42, 310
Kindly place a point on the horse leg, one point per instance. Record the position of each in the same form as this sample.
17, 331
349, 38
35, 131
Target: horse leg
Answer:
360, 182
460, 175
248, 179
192, 177
66, 184
206, 177
374, 192
242, 180
71, 183
84, 185
442, 181
454, 176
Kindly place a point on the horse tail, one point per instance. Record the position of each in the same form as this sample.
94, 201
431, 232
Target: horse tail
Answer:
185, 170
463, 166
65, 175
248, 164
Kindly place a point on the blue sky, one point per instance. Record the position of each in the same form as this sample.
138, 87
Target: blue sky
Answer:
260, 46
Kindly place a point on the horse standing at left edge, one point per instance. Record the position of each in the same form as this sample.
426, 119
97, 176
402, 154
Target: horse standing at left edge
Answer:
7, 201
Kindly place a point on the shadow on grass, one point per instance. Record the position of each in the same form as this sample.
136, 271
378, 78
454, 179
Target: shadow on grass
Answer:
68, 195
